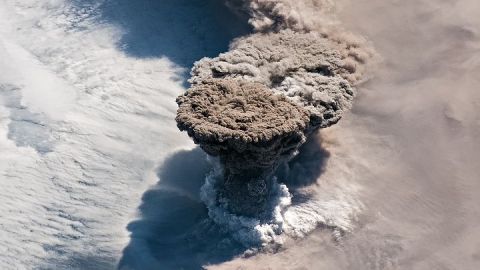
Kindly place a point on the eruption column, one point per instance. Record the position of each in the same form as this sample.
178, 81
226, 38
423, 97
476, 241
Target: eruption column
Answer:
254, 105
250, 128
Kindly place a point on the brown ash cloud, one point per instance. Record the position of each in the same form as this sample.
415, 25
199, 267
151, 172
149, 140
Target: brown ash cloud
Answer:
254, 105
312, 70
251, 130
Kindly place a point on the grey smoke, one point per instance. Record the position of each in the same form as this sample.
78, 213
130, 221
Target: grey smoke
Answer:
295, 58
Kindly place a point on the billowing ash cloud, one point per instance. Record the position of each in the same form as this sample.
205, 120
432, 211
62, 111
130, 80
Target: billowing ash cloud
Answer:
254, 105
312, 70
250, 128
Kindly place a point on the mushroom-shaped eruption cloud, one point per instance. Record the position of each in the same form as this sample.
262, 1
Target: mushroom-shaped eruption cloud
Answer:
312, 70
250, 128
253, 106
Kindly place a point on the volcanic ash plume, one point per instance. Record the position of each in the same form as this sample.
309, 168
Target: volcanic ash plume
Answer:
250, 128
254, 105
313, 71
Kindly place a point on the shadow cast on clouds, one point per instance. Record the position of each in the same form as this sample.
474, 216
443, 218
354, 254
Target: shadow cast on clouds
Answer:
306, 167
184, 31
174, 230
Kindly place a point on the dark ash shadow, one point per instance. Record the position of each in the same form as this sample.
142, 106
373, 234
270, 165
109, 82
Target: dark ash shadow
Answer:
174, 230
184, 31
306, 167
